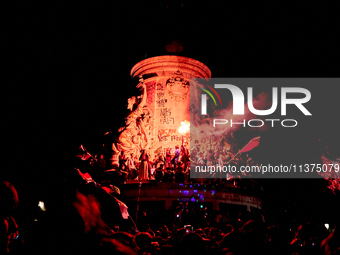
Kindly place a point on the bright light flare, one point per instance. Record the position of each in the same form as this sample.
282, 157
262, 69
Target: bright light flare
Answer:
327, 226
41, 204
185, 126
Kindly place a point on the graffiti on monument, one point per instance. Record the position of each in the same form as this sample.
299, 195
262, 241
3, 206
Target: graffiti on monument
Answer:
167, 120
160, 94
165, 112
160, 86
171, 138
167, 131
161, 102
164, 135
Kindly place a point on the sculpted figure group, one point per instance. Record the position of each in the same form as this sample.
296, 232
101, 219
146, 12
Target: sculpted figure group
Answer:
136, 135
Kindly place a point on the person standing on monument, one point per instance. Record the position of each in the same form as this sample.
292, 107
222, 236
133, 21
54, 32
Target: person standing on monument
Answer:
168, 158
176, 157
144, 166
185, 155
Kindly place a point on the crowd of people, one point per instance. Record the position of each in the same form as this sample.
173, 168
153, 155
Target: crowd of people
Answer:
185, 228
172, 165
80, 224
163, 167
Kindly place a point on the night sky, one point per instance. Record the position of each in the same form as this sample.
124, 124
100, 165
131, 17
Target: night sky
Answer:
67, 67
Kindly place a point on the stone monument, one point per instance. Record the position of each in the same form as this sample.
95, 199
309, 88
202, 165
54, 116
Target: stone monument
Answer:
156, 116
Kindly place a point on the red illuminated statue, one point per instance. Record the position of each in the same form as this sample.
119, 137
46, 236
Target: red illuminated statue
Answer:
135, 135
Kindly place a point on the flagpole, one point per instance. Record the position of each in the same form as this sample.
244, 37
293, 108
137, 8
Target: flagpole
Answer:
133, 223
241, 150
83, 147
234, 156
140, 185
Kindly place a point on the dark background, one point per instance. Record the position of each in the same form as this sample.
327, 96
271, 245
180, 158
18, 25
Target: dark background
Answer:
67, 80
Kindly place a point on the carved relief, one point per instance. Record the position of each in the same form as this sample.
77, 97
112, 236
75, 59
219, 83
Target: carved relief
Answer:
177, 86
137, 132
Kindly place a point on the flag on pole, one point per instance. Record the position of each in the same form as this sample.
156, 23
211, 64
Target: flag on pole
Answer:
123, 209
251, 145
85, 155
86, 176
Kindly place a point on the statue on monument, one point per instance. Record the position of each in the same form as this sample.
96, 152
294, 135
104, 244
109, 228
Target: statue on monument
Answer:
136, 134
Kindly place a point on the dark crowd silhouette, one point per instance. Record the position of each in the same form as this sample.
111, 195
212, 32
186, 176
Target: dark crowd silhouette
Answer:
86, 219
